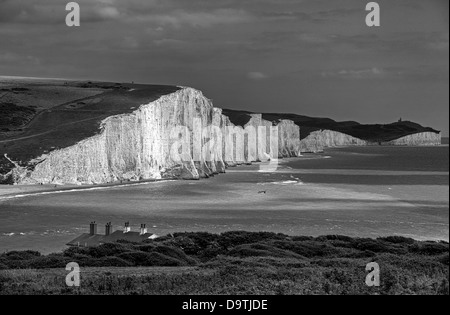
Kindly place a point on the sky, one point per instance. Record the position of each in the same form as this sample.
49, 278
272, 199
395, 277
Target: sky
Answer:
309, 57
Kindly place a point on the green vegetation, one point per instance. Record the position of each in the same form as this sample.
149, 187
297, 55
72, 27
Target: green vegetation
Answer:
235, 263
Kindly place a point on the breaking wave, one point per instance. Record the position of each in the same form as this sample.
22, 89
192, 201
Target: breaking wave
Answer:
75, 190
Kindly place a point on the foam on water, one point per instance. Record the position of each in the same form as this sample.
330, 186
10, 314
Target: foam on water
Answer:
79, 190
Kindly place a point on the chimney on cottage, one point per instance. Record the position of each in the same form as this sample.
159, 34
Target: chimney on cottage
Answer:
143, 229
127, 228
93, 228
108, 229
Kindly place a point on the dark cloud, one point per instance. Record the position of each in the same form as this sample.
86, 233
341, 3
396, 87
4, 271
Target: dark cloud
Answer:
314, 57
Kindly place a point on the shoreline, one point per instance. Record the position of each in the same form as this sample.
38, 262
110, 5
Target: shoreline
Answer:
69, 188
21, 191
32, 190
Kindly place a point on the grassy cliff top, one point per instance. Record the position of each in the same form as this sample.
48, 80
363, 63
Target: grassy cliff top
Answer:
373, 133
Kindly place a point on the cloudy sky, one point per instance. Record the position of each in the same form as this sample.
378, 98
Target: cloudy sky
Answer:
311, 57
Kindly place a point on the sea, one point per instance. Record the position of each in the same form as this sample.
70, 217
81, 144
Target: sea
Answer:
355, 191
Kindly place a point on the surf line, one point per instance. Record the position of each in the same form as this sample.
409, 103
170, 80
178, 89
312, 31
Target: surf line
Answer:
79, 190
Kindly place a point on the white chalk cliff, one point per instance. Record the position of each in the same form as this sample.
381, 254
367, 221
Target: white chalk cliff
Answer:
180, 135
317, 141
418, 139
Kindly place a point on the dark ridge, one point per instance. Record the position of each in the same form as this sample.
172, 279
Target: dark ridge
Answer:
372, 133
238, 118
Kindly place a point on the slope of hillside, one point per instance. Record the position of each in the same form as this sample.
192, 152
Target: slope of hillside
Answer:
371, 133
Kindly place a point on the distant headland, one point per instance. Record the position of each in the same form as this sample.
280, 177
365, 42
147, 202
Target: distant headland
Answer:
84, 133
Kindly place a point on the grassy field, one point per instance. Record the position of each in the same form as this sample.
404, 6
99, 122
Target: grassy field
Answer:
44, 94
235, 263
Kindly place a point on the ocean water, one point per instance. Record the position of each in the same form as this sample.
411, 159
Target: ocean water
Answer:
362, 192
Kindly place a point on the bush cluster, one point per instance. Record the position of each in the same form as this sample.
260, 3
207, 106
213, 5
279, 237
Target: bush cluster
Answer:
189, 249
243, 263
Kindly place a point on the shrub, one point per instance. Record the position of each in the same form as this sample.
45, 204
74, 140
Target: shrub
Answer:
211, 252
74, 251
174, 253
429, 248
83, 260
333, 263
111, 262
342, 238
444, 259
145, 248
443, 288
397, 240
126, 242
48, 262
110, 249
232, 239
222, 263
188, 245
309, 248
261, 250
342, 244
25, 255
379, 246
135, 258
359, 254
193, 243
302, 238
157, 259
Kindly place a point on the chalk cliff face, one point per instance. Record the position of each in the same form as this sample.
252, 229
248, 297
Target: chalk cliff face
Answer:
180, 135
319, 140
288, 139
418, 139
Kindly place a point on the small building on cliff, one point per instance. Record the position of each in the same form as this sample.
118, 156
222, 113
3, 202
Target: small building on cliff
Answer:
93, 239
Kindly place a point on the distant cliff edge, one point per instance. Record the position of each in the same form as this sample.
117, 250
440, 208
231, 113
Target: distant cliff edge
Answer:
320, 133
134, 133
